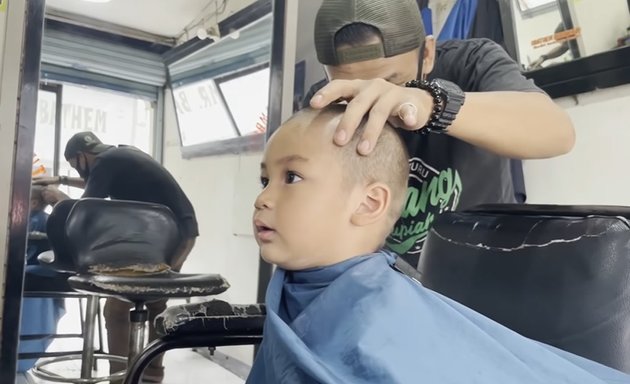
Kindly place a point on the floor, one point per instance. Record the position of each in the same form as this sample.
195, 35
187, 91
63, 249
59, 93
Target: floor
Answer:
182, 366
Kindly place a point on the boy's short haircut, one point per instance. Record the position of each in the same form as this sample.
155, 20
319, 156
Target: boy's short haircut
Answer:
37, 193
387, 163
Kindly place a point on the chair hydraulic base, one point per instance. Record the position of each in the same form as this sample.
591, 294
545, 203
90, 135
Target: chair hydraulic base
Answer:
41, 372
87, 357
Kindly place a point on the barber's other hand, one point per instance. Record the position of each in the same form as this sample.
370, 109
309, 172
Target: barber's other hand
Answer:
407, 108
52, 195
537, 64
46, 181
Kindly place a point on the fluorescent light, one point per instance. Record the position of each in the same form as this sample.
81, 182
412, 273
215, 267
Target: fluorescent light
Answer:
97, 1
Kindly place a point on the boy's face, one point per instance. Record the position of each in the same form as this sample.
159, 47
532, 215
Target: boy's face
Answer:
302, 211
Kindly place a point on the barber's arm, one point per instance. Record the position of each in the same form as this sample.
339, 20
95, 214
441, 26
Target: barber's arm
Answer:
514, 124
521, 125
76, 182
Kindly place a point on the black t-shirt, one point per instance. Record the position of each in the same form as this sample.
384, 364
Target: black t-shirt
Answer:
127, 173
447, 173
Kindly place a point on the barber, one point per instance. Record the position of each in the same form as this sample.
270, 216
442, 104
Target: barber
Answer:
126, 173
464, 108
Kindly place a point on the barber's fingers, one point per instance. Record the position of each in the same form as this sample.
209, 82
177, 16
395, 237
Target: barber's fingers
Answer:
358, 108
408, 115
44, 181
383, 109
334, 91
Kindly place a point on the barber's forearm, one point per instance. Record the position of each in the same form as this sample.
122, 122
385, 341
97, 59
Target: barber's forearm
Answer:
75, 182
521, 125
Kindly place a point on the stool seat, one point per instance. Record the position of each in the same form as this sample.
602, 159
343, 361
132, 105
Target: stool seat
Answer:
214, 316
150, 287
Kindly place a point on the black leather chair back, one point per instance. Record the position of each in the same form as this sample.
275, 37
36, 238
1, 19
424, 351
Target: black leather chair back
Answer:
556, 274
56, 230
122, 234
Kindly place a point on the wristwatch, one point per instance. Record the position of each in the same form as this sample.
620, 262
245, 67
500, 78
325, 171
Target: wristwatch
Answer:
448, 98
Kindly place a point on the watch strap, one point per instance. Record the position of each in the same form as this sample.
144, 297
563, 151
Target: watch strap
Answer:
446, 105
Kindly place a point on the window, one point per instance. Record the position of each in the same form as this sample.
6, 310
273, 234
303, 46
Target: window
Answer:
247, 98
201, 114
534, 6
45, 130
116, 118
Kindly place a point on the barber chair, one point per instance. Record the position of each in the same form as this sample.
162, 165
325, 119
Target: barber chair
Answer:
123, 250
61, 261
209, 324
556, 274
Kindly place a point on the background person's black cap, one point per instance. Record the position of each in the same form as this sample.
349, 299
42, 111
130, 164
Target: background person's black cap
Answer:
398, 21
84, 142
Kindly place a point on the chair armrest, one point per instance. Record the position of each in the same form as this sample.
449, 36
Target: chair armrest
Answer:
214, 316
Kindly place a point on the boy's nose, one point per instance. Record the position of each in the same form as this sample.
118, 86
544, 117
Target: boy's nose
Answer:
263, 201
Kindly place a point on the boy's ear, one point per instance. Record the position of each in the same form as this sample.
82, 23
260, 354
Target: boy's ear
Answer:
374, 205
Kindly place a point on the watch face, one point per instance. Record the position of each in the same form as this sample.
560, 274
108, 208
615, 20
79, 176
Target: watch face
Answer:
449, 87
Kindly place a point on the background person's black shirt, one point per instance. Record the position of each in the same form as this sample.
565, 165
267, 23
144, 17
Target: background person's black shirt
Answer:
126, 173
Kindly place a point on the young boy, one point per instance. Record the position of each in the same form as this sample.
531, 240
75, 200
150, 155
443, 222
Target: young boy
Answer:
337, 311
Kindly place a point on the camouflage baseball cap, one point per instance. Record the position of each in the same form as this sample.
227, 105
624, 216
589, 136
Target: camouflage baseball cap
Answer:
398, 21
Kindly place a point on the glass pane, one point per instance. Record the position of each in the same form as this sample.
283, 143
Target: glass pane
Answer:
591, 28
115, 118
529, 5
45, 131
247, 98
201, 114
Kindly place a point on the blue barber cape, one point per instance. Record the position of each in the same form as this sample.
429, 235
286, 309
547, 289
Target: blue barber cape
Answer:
361, 321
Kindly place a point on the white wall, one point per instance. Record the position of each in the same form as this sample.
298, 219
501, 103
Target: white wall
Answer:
222, 190
602, 22
596, 171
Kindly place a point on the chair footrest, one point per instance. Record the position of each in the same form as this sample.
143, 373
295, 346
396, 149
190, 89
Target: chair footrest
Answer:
214, 316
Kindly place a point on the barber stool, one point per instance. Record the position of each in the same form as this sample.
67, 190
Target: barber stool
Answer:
123, 250
60, 259
556, 274
209, 324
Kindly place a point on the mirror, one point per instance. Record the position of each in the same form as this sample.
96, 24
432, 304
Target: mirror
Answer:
214, 112
551, 32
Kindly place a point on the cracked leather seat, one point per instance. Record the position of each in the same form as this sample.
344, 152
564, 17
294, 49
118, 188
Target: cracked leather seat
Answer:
556, 274
123, 249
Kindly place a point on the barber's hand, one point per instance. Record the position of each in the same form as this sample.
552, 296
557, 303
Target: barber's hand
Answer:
56, 180
408, 108
52, 195
538, 63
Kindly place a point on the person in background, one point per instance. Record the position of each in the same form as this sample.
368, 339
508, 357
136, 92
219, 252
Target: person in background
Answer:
557, 51
126, 173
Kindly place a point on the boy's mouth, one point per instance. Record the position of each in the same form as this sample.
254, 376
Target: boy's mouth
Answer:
264, 233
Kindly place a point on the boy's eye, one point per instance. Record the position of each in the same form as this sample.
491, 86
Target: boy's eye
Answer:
292, 177
264, 181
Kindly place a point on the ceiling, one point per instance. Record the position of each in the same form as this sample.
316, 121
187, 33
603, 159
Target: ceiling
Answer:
166, 18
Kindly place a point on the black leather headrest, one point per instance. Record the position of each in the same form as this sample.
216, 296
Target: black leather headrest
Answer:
559, 275
56, 230
122, 234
